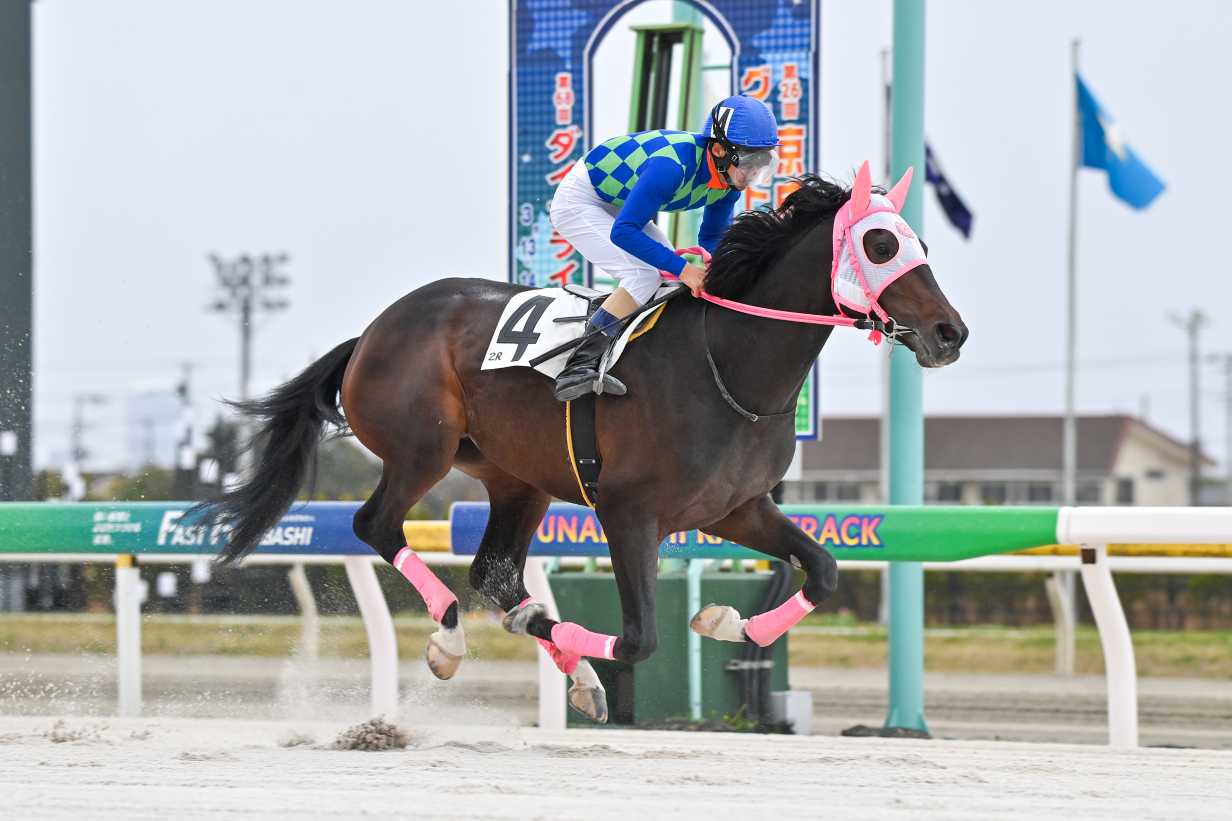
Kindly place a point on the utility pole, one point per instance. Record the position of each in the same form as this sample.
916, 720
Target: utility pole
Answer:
1226, 359
247, 286
1227, 419
185, 451
149, 443
74, 480
1192, 325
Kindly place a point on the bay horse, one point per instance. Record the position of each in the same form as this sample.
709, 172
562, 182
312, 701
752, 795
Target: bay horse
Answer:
676, 454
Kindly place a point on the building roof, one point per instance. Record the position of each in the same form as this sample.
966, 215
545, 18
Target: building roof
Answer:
958, 443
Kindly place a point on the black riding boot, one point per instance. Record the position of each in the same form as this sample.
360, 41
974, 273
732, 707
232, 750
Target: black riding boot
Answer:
582, 370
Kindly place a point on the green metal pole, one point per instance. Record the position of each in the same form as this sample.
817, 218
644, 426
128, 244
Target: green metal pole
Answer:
906, 418
16, 255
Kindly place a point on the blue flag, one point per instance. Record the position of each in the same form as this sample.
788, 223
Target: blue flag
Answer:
956, 211
1102, 147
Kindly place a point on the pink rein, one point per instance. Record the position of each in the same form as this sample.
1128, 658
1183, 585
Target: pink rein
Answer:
837, 320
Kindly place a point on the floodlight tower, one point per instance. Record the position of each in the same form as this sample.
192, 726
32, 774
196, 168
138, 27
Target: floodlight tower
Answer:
247, 287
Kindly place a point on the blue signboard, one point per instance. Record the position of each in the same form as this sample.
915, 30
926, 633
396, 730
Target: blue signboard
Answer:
322, 528
571, 530
774, 48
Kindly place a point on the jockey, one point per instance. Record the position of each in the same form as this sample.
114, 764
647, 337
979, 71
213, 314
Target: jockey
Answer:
606, 206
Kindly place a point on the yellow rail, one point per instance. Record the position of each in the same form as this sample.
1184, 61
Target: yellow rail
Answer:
427, 537
1210, 551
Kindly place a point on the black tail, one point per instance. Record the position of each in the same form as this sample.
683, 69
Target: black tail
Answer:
292, 418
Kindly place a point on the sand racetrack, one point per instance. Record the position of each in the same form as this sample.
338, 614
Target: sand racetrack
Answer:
195, 768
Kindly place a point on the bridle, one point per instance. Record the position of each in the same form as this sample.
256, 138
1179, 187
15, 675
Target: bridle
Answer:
879, 323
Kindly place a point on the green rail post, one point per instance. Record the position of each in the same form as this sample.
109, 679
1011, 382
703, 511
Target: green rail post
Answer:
906, 440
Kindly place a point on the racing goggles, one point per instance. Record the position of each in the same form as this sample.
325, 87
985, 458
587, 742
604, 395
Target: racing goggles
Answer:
755, 166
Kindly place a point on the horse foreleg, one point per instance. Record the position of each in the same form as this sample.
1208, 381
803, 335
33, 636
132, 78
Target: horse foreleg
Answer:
634, 544
760, 525
586, 693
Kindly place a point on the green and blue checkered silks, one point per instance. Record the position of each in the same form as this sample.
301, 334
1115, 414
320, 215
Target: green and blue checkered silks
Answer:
613, 167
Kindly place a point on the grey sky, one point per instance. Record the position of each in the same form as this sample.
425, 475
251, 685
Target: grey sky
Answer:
368, 140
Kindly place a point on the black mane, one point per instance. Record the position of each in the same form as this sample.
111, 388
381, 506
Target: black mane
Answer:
757, 238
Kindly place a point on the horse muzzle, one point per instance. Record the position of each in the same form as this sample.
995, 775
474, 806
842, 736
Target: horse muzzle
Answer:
936, 344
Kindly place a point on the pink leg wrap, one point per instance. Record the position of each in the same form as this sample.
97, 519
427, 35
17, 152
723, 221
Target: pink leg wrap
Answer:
565, 662
435, 594
577, 640
765, 629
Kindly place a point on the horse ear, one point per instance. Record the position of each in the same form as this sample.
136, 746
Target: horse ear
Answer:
861, 190
898, 194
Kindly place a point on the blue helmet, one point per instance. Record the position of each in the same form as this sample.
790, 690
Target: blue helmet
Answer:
742, 121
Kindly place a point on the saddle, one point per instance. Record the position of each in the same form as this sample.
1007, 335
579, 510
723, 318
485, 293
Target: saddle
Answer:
591, 295
540, 328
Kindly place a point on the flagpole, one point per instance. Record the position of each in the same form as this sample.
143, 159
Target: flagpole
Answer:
1070, 449
885, 114
1065, 583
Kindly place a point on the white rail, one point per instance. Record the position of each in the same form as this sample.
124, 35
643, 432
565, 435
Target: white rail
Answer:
1095, 565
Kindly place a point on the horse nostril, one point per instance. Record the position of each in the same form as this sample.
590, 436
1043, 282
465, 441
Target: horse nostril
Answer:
948, 335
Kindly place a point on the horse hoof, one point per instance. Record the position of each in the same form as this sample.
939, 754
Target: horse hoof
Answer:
445, 651
718, 621
590, 702
515, 620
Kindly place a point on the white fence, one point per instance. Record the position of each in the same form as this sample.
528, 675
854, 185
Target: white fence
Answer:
1092, 529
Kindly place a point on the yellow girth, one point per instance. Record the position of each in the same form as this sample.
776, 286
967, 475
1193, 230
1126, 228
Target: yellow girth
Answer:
646, 326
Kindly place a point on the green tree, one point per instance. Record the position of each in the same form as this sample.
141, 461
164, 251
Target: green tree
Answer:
344, 472
149, 484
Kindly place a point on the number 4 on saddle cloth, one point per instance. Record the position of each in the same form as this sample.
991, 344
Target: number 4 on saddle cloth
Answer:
537, 322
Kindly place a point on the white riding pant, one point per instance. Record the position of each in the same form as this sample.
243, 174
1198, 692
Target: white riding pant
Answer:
586, 221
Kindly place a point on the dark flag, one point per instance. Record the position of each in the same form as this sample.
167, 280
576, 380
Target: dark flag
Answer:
955, 209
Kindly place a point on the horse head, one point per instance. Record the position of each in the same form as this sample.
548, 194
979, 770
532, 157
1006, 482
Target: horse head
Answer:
880, 267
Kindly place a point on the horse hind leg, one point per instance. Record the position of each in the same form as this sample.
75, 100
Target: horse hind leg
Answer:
515, 511
760, 525
379, 523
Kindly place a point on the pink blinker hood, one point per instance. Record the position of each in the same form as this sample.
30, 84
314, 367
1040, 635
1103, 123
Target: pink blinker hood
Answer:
856, 281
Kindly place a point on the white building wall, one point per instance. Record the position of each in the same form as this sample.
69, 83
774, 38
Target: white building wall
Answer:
1159, 469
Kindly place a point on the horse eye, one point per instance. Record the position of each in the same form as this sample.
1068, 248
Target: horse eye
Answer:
880, 245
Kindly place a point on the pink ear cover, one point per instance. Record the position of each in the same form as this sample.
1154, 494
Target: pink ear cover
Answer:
861, 190
898, 194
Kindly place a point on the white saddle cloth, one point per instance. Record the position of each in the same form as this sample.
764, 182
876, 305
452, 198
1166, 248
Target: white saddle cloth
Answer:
528, 328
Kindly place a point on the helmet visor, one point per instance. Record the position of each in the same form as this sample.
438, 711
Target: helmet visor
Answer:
754, 166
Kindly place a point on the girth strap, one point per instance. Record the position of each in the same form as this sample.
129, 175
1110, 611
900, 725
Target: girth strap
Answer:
583, 447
